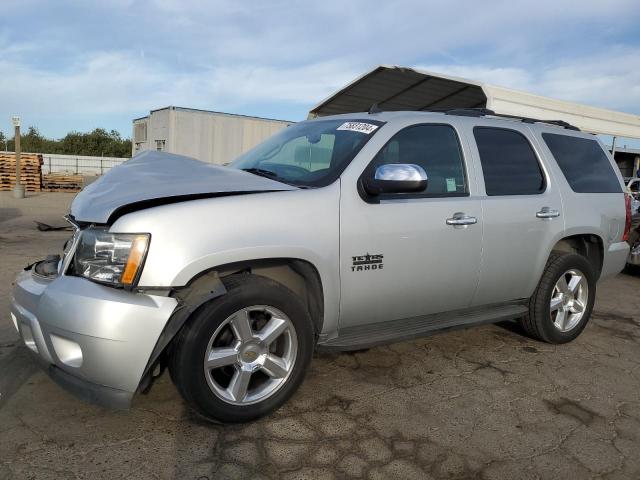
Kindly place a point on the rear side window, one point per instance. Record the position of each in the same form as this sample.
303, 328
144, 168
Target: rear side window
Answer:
583, 163
509, 164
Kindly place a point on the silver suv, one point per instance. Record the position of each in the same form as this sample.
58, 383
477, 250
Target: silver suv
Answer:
339, 233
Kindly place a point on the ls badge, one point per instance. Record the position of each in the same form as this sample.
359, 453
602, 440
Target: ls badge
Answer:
367, 262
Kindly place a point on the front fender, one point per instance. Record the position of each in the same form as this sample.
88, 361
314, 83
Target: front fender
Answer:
328, 279
192, 237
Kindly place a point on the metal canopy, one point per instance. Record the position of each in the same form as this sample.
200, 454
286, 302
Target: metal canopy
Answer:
399, 88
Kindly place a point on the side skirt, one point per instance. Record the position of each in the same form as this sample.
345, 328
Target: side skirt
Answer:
370, 335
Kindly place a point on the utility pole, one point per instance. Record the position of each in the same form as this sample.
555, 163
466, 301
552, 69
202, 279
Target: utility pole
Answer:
18, 189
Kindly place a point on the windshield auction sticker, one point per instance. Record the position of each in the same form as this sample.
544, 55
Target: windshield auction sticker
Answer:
358, 127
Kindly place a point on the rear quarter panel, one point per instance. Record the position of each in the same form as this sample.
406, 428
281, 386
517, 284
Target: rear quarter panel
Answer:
601, 214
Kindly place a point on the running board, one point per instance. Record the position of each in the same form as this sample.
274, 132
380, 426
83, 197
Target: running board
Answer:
370, 335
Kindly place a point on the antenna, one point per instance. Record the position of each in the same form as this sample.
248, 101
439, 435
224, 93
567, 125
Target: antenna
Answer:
374, 109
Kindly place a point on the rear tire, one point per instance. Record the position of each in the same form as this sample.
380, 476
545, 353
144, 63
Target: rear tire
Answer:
633, 261
242, 355
561, 305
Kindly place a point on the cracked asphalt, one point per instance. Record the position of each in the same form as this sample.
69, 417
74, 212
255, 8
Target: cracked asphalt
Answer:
486, 403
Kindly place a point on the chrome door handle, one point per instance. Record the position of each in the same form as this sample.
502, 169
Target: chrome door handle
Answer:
460, 219
547, 212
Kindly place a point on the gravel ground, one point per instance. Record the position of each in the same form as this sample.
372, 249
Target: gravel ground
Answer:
481, 403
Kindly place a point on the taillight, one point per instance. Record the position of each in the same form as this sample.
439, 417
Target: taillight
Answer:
627, 222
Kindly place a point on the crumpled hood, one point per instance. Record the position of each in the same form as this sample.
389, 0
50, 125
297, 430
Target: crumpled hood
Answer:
153, 175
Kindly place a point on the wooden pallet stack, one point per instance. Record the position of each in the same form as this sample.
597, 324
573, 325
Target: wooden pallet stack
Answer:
61, 182
30, 171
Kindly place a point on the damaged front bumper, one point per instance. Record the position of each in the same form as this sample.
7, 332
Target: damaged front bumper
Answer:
93, 340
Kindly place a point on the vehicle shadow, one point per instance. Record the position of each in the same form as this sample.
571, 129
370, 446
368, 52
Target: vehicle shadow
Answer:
16, 366
513, 326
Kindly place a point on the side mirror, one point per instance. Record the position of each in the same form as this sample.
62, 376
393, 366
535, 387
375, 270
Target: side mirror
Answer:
396, 178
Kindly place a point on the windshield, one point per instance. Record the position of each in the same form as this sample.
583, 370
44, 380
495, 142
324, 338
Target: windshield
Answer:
311, 153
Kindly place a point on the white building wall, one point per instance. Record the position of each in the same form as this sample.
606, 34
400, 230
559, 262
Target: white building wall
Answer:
158, 130
140, 139
208, 136
585, 117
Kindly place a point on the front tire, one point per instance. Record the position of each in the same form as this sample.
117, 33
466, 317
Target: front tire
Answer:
242, 355
561, 305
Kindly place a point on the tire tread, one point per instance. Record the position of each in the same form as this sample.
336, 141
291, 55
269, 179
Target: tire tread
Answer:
535, 321
181, 357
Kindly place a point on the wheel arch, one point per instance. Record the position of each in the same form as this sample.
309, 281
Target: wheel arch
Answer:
588, 245
299, 276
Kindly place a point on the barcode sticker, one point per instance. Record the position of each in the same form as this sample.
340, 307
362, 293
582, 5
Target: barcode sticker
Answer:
358, 127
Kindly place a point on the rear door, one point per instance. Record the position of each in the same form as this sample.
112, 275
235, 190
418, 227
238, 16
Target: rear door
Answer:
522, 212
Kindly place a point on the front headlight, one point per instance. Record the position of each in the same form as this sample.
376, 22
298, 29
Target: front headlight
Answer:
113, 258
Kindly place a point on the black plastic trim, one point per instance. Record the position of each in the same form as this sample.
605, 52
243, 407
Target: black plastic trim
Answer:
189, 301
485, 112
370, 335
108, 397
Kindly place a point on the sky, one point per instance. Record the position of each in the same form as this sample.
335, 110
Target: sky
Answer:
77, 65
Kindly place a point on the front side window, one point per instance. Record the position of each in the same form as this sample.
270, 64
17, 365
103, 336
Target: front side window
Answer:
509, 164
311, 154
583, 163
433, 147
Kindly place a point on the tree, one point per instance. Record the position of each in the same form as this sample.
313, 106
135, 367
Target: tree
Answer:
98, 143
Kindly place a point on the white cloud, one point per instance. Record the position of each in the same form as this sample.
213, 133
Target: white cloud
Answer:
75, 59
115, 82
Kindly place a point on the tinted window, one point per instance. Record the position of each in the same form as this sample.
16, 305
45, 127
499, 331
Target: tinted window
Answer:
436, 149
583, 163
509, 165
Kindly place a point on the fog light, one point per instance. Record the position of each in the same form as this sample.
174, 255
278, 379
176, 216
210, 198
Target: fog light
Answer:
27, 336
67, 351
15, 322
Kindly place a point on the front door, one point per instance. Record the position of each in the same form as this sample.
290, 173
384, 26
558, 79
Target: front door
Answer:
399, 258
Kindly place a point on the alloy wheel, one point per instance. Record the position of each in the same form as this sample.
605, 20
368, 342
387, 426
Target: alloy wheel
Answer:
250, 355
569, 300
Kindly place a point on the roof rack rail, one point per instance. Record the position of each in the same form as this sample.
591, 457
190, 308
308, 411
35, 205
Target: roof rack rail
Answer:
485, 112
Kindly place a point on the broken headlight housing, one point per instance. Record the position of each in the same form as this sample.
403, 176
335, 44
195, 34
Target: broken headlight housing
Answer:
111, 258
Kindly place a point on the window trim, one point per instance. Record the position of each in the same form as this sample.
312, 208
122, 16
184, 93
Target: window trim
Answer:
409, 196
543, 172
